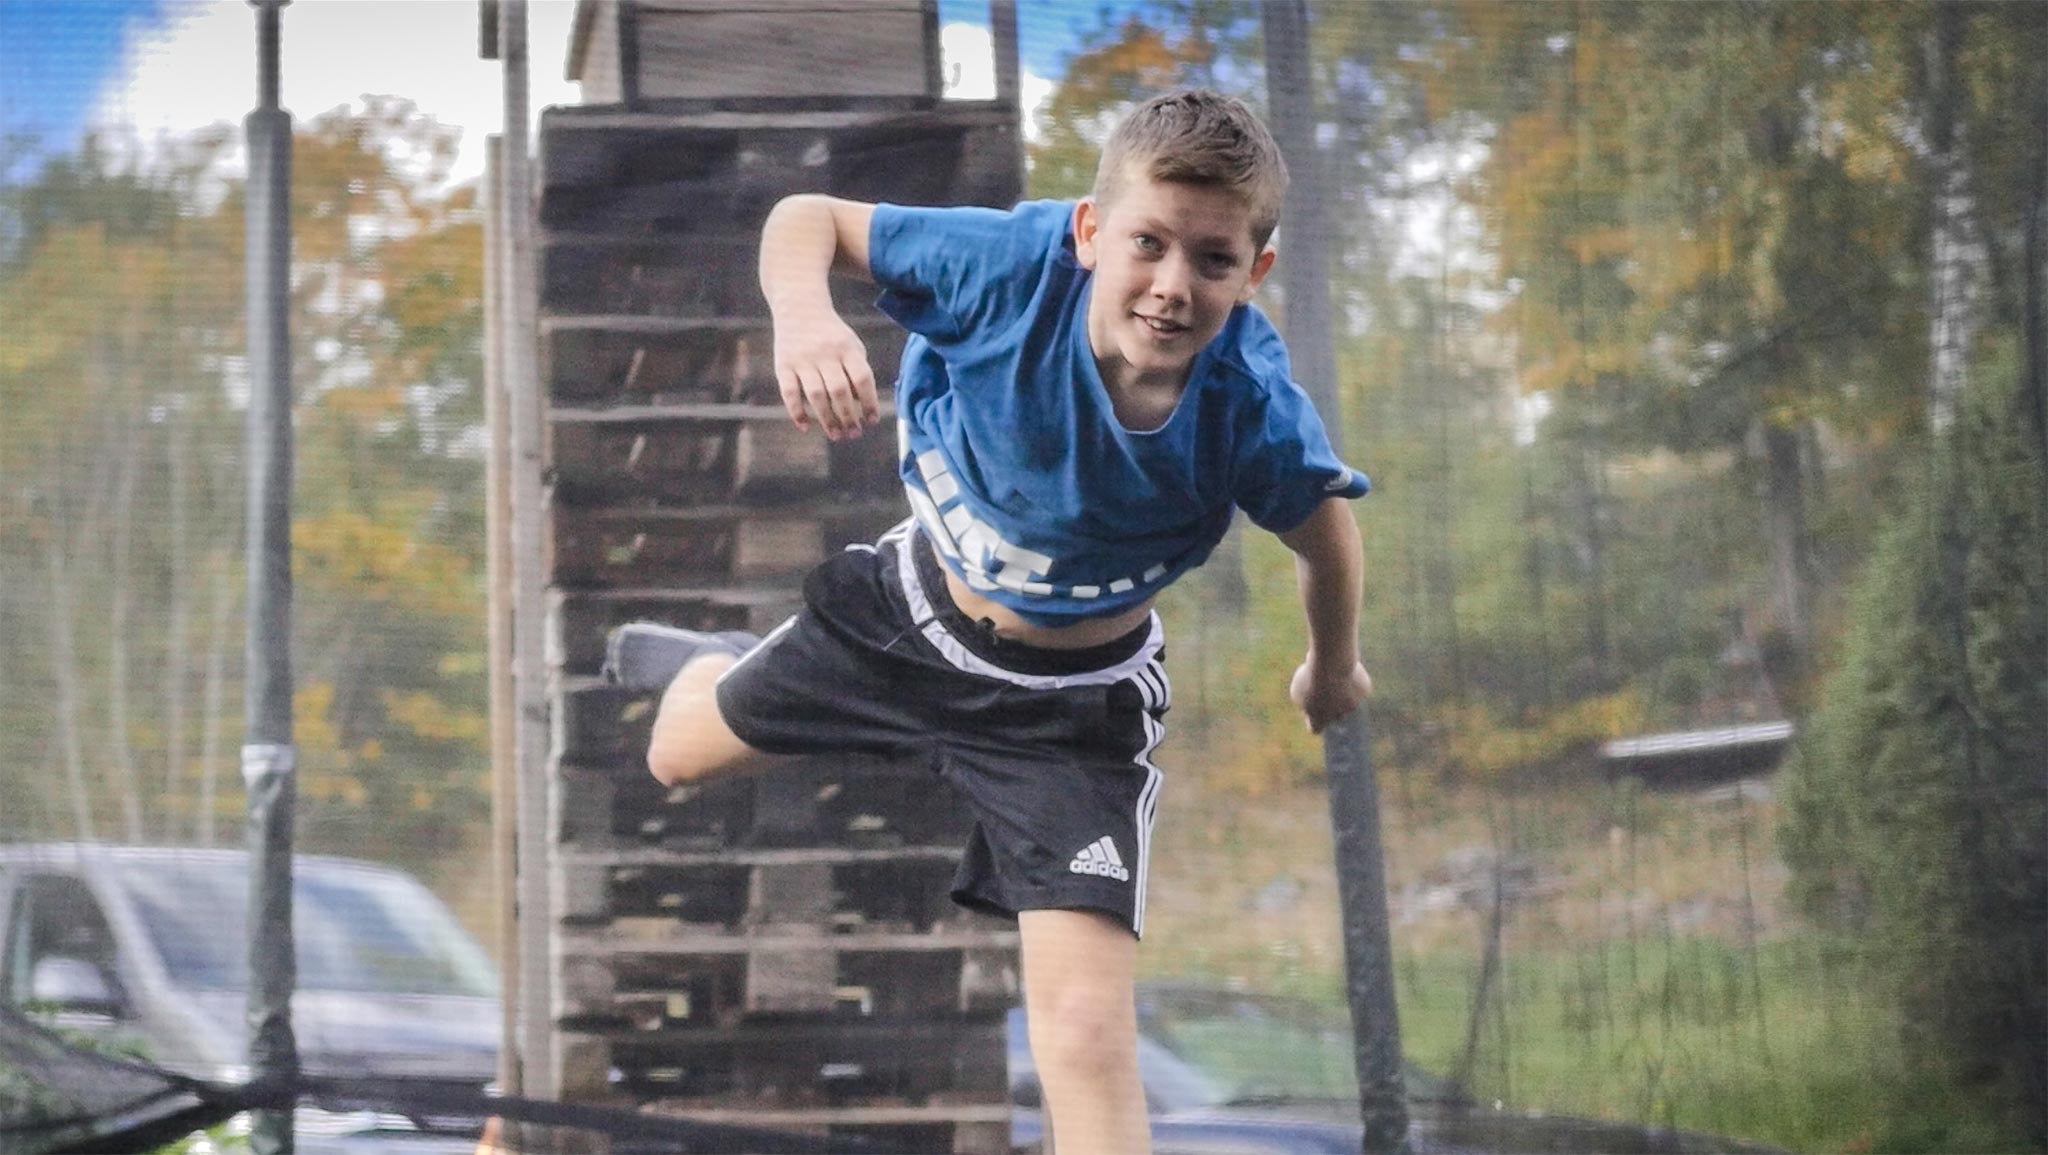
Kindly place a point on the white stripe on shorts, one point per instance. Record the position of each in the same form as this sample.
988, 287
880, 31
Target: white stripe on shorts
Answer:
774, 635
1148, 806
962, 658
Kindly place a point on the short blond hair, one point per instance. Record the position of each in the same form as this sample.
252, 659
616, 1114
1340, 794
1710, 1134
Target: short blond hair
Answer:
1201, 137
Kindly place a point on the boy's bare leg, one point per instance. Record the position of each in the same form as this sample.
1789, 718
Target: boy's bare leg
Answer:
1079, 968
691, 739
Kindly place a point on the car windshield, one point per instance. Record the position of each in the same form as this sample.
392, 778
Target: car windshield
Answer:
1264, 1048
356, 929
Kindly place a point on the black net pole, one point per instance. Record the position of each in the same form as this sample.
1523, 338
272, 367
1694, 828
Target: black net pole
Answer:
268, 754
1308, 238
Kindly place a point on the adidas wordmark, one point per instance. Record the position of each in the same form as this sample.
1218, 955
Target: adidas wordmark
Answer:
1100, 858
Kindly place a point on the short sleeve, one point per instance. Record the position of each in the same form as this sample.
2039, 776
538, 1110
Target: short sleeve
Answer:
946, 272
1285, 466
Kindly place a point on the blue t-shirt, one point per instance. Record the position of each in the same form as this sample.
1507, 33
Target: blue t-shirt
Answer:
1013, 458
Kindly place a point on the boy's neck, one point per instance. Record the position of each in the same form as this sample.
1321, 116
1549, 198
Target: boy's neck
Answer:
1142, 403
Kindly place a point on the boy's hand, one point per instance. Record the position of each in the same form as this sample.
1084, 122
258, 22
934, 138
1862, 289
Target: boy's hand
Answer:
1328, 694
822, 370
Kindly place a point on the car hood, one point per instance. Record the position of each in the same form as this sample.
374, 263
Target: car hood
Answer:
1327, 1126
1476, 1129
355, 1034
1253, 1130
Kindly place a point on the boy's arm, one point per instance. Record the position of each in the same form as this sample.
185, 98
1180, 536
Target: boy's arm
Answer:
1330, 564
821, 367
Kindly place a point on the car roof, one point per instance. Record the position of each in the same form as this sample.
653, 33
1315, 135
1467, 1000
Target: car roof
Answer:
81, 853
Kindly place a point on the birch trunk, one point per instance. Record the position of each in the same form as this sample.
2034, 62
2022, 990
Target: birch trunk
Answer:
176, 669
213, 695
2034, 255
119, 598
64, 667
1785, 516
1957, 256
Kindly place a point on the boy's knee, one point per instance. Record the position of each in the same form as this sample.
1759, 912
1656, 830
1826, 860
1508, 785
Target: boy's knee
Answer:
690, 738
669, 765
1085, 1031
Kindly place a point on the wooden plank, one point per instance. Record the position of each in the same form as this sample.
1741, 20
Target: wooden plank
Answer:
875, 48
587, 805
643, 856
860, 801
587, 616
669, 360
707, 277
869, 1033
687, 182
987, 1112
660, 169
990, 981
527, 465
655, 995
826, 890
582, 1070
674, 466
581, 620
685, 413
499, 623
613, 945
619, 465
779, 460
636, 554
637, 548
698, 125
795, 898
777, 549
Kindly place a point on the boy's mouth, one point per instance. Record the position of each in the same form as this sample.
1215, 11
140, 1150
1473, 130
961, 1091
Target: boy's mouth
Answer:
1161, 326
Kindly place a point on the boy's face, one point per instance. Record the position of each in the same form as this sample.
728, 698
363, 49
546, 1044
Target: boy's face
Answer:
1171, 261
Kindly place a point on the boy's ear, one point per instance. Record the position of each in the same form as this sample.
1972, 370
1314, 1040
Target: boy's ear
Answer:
1087, 227
1261, 265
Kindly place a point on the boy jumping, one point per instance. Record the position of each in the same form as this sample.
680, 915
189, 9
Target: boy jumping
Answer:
1086, 396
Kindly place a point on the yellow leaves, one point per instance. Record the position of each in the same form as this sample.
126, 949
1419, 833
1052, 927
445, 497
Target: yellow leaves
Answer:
1141, 55
1574, 366
365, 404
1478, 742
345, 789
431, 719
383, 561
313, 729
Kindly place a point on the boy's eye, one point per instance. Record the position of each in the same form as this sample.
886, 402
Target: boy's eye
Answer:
1149, 243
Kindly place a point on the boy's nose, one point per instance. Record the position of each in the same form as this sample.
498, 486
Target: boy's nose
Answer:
1170, 279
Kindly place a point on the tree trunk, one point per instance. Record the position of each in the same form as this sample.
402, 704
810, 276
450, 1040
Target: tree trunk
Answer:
176, 669
213, 694
64, 666
1957, 257
119, 599
1785, 516
2034, 233
1592, 467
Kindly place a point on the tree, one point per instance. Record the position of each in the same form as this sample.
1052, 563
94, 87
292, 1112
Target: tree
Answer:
120, 501
1918, 803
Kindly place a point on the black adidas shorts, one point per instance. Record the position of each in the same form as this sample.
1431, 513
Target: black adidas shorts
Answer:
1052, 749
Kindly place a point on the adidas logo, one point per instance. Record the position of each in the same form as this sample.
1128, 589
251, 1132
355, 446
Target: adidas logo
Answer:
1100, 858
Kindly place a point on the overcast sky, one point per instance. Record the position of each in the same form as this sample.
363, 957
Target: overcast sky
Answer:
170, 66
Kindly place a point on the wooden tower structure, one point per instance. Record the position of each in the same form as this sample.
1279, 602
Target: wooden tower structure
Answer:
776, 951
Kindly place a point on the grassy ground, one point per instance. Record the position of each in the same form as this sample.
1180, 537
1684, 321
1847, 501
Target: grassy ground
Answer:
1649, 967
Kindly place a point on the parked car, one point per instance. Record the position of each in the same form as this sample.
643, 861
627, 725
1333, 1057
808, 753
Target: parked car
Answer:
145, 950
1238, 1073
